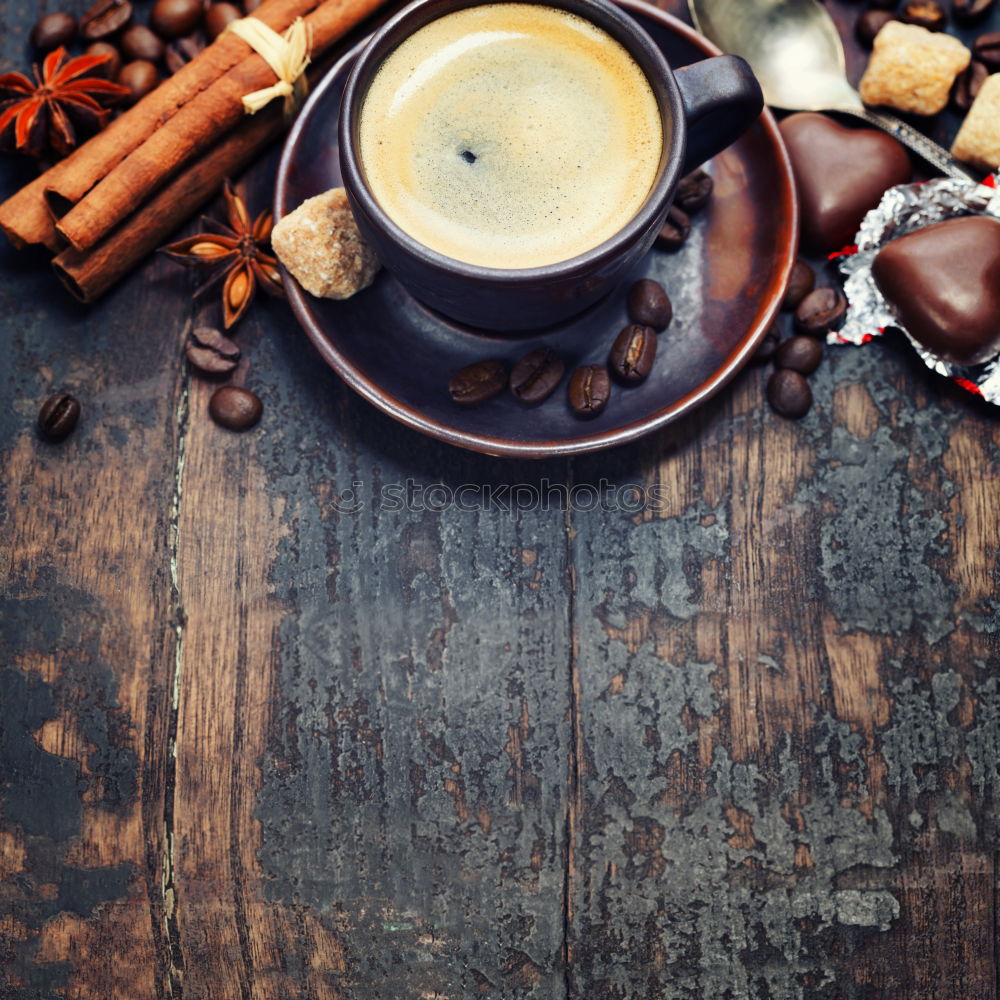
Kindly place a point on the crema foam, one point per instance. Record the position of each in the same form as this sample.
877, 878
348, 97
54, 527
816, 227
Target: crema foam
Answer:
510, 135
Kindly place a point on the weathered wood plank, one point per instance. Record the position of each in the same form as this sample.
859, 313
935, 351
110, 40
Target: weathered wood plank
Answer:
789, 725
373, 724
766, 713
831, 587
86, 629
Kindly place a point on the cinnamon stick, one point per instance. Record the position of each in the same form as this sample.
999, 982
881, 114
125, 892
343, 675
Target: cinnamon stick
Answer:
70, 180
192, 130
89, 274
27, 216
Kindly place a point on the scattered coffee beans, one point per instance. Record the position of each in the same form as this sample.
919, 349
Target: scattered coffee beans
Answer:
105, 18
536, 375
970, 10
589, 390
802, 354
649, 304
675, 230
138, 42
927, 14
58, 416
235, 408
218, 17
52, 31
477, 382
986, 49
173, 18
967, 85
767, 347
788, 393
820, 311
110, 69
800, 284
869, 24
693, 192
633, 353
140, 77
211, 352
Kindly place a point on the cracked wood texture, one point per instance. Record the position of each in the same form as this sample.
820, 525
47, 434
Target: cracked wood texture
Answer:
263, 739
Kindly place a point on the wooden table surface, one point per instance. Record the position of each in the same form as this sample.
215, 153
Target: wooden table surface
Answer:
258, 740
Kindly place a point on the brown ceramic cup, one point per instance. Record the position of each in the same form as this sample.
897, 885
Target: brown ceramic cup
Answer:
703, 108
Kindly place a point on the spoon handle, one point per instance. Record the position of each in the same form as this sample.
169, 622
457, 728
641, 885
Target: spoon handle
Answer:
935, 155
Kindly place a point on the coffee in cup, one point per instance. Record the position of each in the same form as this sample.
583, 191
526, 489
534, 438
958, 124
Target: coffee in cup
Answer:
510, 135
546, 268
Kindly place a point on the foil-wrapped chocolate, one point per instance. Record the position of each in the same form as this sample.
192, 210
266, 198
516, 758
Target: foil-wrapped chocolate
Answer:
904, 277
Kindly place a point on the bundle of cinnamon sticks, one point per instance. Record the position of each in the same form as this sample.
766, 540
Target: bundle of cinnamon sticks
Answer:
122, 193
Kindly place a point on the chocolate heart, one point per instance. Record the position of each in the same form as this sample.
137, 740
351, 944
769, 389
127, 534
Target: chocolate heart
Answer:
943, 283
840, 174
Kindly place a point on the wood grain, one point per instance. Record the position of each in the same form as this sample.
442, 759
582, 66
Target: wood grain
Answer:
360, 798
777, 764
87, 625
279, 718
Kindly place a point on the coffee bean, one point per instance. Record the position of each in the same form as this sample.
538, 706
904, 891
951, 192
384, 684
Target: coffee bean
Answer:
58, 416
820, 311
674, 231
108, 70
235, 408
788, 393
801, 354
140, 77
986, 49
52, 31
218, 17
211, 352
138, 42
633, 352
767, 347
869, 24
105, 18
967, 85
477, 382
967, 11
927, 14
693, 191
589, 390
173, 18
800, 284
649, 304
536, 375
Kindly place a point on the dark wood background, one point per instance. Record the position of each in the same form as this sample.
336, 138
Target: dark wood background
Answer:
253, 745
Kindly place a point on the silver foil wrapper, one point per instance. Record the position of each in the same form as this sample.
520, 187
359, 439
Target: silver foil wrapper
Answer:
902, 210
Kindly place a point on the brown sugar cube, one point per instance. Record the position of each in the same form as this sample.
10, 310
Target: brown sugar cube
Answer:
978, 140
912, 69
320, 245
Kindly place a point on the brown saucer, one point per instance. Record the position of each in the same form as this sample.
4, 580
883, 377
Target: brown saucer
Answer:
726, 285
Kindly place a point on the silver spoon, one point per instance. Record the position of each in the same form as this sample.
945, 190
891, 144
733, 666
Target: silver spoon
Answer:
795, 51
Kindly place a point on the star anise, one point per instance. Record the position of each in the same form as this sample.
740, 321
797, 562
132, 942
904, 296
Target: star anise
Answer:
234, 253
59, 104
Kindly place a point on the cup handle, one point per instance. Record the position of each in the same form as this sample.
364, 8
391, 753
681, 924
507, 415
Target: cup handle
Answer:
721, 99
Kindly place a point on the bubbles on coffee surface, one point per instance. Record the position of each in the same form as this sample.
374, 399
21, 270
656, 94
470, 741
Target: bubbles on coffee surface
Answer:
556, 121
